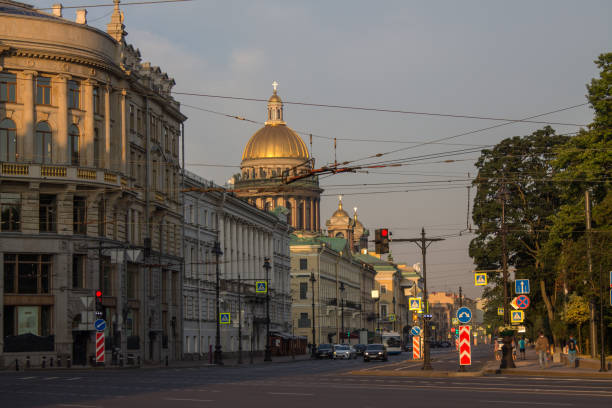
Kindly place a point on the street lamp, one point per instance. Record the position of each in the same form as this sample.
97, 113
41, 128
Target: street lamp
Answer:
218, 356
268, 352
394, 313
342, 309
376, 297
313, 350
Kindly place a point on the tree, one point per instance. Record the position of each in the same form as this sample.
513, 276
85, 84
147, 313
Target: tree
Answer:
577, 312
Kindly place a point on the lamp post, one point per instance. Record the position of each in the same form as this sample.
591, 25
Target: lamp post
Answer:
239, 320
342, 309
313, 351
376, 297
394, 314
268, 352
218, 356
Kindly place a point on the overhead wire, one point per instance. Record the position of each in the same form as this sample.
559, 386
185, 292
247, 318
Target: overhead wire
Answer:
132, 3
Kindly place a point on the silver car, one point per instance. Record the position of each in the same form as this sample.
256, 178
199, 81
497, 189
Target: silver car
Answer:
344, 351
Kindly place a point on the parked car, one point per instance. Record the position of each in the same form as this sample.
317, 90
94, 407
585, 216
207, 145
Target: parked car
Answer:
324, 351
359, 349
375, 352
343, 351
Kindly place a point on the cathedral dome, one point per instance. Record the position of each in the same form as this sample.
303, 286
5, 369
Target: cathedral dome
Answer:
275, 141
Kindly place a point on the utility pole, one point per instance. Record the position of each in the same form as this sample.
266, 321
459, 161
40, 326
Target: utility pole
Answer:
239, 320
268, 352
460, 297
313, 350
218, 356
592, 326
423, 243
506, 361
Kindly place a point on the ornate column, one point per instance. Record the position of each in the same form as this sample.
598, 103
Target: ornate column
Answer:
294, 210
87, 138
312, 215
60, 142
251, 253
124, 144
106, 162
318, 216
221, 239
25, 138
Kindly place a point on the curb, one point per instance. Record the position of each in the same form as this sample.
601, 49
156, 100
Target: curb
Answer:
544, 373
415, 373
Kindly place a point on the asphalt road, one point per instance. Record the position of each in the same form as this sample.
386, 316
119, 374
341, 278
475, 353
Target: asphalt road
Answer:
319, 384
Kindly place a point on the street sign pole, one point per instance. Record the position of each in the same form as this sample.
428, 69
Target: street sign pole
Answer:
100, 348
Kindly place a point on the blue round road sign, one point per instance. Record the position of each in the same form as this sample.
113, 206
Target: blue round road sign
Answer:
464, 315
522, 301
416, 330
100, 325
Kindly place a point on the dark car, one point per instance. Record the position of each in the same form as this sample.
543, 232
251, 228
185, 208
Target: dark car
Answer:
375, 352
325, 351
445, 344
360, 348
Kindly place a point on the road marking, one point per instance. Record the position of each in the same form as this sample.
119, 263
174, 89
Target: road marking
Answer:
77, 405
25, 378
50, 378
187, 399
73, 378
291, 393
530, 403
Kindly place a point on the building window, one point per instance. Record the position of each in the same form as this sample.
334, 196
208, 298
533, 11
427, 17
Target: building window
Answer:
107, 277
132, 118
303, 264
43, 143
139, 122
43, 90
8, 141
27, 273
79, 215
74, 145
304, 321
97, 100
78, 271
383, 311
164, 287
96, 146
47, 205
303, 290
74, 95
8, 87
132, 281
10, 208
383, 289
19, 320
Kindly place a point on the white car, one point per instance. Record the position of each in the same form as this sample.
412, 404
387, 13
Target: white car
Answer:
344, 351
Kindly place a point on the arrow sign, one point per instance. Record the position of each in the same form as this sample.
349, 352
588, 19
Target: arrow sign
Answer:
416, 330
521, 286
465, 347
464, 315
514, 304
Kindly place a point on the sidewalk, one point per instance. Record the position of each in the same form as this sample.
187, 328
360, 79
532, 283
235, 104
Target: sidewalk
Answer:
531, 367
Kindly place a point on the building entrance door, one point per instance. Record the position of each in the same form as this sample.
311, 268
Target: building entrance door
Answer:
79, 347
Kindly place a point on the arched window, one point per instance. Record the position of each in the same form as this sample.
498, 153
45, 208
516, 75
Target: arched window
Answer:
8, 140
42, 144
74, 146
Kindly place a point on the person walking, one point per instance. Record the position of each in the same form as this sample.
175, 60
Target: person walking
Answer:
541, 347
521, 344
572, 348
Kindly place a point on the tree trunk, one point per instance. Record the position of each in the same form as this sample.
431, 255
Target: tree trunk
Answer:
580, 349
549, 309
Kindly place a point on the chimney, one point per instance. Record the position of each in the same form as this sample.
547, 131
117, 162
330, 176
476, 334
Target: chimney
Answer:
57, 10
81, 16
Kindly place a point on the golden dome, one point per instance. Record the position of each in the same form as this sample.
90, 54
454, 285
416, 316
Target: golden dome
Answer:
275, 98
275, 141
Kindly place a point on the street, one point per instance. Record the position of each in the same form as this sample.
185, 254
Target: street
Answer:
321, 383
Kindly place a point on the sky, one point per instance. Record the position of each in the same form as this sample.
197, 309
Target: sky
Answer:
488, 58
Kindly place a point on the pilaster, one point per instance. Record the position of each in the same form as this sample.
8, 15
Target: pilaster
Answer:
87, 148
60, 142
25, 133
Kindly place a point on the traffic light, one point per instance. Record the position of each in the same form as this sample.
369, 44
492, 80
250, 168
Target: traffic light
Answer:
381, 240
453, 331
99, 306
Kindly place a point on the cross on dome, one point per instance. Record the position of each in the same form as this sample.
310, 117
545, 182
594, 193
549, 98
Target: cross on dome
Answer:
274, 86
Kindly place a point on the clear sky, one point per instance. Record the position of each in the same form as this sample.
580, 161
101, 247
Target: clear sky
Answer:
503, 59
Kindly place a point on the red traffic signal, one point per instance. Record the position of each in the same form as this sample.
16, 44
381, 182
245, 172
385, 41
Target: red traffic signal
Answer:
384, 232
98, 293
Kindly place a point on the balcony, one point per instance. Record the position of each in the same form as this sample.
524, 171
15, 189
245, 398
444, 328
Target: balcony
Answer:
65, 173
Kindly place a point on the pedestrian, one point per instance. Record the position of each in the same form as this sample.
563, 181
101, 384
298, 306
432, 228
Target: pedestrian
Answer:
521, 344
498, 348
541, 347
572, 348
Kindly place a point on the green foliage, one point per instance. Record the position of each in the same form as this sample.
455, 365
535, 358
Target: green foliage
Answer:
576, 311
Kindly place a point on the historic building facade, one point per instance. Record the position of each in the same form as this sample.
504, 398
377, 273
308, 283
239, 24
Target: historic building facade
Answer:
89, 190
272, 155
247, 236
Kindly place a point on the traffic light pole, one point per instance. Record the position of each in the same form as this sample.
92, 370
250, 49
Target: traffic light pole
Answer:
314, 341
218, 355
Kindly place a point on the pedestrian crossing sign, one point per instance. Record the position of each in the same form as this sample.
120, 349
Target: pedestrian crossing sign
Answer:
261, 287
455, 321
517, 316
480, 279
391, 317
500, 311
224, 318
414, 303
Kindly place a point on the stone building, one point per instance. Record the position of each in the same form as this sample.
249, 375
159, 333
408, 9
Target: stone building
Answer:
342, 289
246, 235
274, 153
89, 190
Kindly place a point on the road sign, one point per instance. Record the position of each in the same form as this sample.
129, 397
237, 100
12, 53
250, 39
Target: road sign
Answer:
611, 279
261, 287
416, 348
464, 315
224, 318
455, 321
480, 279
414, 303
522, 301
521, 287
391, 317
517, 316
465, 347
500, 311
100, 347
514, 304
100, 325
416, 330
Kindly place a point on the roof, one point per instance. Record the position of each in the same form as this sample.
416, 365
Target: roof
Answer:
21, 9
335, 244
377, 264
275, 141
